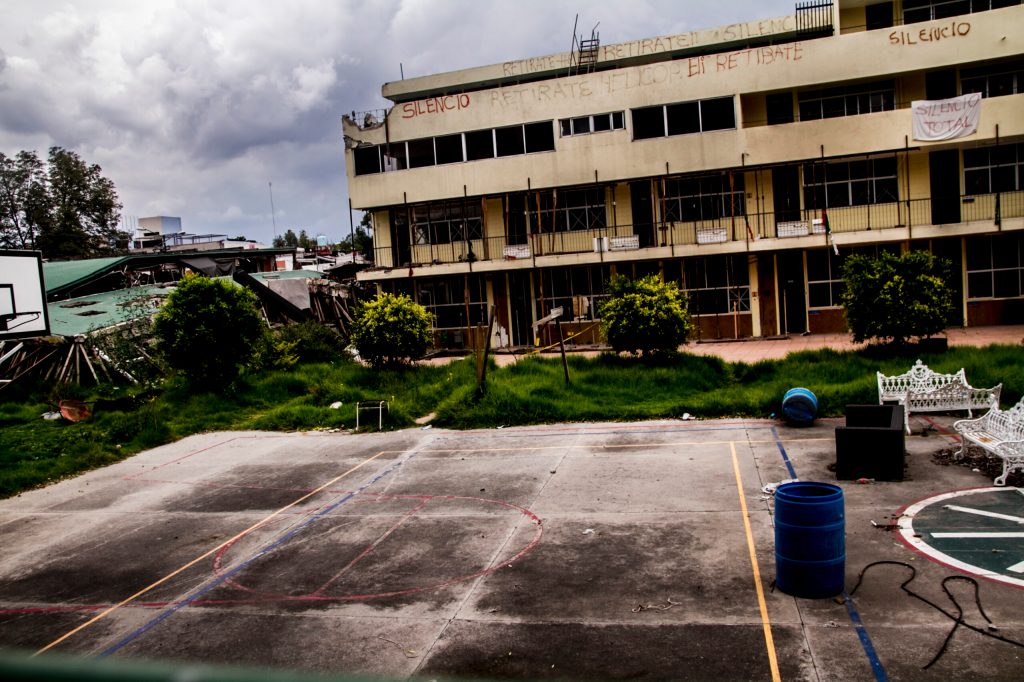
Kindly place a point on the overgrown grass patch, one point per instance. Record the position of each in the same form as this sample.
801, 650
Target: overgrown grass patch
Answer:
532, 391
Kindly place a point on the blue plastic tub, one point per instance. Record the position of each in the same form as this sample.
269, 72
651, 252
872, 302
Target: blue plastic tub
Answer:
799, 407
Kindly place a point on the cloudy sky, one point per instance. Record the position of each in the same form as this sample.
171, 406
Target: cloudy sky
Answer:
194, 107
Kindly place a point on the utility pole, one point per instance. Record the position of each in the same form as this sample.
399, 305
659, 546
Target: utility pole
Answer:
273, 218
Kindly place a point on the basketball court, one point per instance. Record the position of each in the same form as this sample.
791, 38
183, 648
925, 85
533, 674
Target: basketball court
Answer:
597, 551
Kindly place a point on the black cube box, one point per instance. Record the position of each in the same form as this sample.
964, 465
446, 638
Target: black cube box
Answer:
872, 444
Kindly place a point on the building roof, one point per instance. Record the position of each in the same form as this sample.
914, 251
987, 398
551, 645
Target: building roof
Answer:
79, 316
87, 314
64, 278
61, 274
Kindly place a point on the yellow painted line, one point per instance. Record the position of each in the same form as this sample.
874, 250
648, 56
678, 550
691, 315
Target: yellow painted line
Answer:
206, 555
765, 622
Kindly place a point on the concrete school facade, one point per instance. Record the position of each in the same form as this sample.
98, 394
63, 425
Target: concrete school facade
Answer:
743, 163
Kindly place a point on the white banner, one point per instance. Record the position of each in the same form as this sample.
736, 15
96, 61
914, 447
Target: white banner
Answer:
946, 119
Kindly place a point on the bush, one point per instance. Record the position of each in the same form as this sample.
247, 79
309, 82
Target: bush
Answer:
210, 330
645, 315
391, 330
313, 342
896, 298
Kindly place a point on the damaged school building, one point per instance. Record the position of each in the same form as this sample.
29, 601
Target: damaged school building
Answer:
744, 163
88, 301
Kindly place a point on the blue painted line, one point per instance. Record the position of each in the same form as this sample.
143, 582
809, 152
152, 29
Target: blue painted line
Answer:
851, 609
782, 451
219, 580
865, 640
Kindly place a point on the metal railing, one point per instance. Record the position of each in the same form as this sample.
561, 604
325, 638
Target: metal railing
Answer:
750, 227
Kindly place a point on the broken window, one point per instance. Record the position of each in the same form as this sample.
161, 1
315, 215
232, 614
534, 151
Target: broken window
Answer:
421, 152
480, 144
509, 141
446, 298
367, 160
717, 284
540, 137
779, 107
449, 149
717, 114
683, 118
568, 209
994, 169
582, 125
393, 157
994, 80
926, 10
648, 122
445, 222
704, 197
579, 291
825, 283
850, 183
995, 266
851, 100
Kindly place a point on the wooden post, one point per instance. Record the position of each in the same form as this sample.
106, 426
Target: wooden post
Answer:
481, 368
561, 347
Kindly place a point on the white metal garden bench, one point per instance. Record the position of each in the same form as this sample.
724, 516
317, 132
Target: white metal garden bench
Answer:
922, 390
1000, 433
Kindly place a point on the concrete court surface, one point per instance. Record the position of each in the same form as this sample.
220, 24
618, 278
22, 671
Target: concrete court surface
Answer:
582, 551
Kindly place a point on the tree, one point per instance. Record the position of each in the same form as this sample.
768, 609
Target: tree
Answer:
66, 209
23, 200
289, 238
645, 315
361, 241
896, 298
210, 330
391, 330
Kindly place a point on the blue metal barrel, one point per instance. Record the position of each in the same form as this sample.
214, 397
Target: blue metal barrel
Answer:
799, 407
810, 539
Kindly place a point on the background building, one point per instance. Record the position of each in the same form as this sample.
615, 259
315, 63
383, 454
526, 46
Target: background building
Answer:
716, 159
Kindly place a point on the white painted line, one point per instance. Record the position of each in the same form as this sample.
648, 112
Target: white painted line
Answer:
977, 535
1016, 568
982, 512
911, 539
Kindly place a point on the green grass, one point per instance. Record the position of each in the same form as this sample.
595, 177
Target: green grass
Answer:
34, 452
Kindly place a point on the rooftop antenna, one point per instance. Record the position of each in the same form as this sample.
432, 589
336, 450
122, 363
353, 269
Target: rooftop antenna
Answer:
273, 218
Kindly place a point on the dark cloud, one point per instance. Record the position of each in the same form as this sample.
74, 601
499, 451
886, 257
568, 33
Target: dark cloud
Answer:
193, 107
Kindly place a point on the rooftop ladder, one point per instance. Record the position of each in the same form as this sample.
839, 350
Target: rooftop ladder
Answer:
584, 52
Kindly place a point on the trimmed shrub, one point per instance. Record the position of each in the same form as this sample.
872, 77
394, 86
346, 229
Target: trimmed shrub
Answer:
209, 330
391, 330
896, 298
645, 316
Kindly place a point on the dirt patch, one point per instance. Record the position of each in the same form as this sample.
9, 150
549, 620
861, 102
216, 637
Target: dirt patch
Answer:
978, 460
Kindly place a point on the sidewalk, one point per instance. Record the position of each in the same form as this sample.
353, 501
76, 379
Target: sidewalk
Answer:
754, 350
762, 349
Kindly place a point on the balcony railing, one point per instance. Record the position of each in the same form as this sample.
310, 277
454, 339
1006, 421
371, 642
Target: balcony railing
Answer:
749, 227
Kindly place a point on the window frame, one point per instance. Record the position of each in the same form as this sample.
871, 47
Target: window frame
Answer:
834, 284
679, 205
974, 166
843, 176
996, 267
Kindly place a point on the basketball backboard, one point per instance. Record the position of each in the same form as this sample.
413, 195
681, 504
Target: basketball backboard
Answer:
22, 295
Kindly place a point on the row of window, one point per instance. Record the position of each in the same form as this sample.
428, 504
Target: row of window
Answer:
681, 118
926, 10
648, 122
718, 284
709, 197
